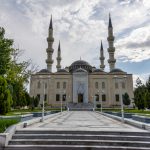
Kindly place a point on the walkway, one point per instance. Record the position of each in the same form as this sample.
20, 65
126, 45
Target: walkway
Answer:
85, 121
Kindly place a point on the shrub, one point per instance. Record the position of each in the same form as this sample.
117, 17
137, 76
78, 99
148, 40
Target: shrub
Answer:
5, 97
5, 123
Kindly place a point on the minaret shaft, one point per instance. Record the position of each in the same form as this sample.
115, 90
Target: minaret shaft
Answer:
102, 58
50, 50
58, 66
111, 48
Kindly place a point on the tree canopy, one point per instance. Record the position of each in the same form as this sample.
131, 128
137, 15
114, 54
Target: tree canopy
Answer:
14, 74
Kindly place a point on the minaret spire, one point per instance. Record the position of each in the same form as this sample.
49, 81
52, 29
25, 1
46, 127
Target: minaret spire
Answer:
50, 50
51, 23
102, 58
110, 23
58, 66
111, 48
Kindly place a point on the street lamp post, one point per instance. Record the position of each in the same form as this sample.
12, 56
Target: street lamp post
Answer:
120, 93
63, 92
67, 103
43, 101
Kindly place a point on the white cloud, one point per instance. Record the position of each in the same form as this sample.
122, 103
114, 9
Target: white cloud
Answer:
136, 46
80, 25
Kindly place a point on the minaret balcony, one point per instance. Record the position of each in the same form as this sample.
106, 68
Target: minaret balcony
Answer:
50, 50
50, 39
111, 49
111, 60
49, 61
110, 38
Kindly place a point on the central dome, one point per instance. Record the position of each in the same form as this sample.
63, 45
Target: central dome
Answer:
80, 64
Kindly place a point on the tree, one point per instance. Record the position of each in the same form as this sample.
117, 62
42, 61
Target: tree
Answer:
5, 52
148, 84
147, 98
126, 99
36, 101
139, 95
5, 97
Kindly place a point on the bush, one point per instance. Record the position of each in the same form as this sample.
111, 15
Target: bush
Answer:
5, 97
5, 123
98, 105
126, 99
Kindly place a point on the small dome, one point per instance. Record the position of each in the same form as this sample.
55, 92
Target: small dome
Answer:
116, 70
62, 70
43, 71
98, 70
80, 70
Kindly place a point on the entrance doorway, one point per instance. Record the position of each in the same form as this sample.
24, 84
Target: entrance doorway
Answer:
80, 98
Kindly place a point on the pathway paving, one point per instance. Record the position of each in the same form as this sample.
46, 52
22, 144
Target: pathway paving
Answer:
84, 120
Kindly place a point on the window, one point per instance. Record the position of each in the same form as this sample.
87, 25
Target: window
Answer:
45, 97
103, 97
117, 97
58, 85
96, 85
38, 96
123, 85
64, 97
38, 85
116, 85
64, 85
57, 97
103, 85
96, 97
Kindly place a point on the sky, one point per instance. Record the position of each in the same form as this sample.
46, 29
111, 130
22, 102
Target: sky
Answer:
80, 25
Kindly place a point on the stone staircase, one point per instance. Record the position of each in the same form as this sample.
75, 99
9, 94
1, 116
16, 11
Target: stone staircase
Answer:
44, 139
80, 106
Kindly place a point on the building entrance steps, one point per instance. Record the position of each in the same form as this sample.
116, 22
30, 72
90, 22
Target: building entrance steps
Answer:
82, 130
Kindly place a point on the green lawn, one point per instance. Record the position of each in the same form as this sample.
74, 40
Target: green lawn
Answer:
5, 123
28, 111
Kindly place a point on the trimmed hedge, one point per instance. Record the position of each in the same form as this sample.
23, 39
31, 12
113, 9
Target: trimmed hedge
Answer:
5, 123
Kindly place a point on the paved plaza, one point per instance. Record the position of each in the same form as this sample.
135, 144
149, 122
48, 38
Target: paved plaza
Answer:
85, 121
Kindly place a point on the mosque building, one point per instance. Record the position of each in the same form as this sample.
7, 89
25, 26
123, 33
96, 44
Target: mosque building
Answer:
81, 82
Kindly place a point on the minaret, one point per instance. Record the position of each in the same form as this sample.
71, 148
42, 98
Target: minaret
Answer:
58, 66
102, 58
50, 50
111, 48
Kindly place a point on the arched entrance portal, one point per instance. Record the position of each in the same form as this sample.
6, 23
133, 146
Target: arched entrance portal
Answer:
80, 98
80, 86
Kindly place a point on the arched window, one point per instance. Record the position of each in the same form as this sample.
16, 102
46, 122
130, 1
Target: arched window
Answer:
96, 97
39, 85
103, 85
103, 97
58, 85
64, 85
96, 85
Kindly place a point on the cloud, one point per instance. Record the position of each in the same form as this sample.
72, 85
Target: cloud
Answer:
136, 46
79, 25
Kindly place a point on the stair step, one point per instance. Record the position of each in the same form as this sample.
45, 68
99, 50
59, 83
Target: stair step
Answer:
78, 142
70, 147
81, 137
38, 131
